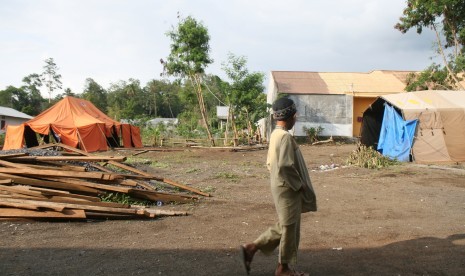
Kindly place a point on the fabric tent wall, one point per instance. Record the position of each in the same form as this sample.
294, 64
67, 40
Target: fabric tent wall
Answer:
15, 138
440, 133
131, 136
74, 122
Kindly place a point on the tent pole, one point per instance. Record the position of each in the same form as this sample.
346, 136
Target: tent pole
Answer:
80, 140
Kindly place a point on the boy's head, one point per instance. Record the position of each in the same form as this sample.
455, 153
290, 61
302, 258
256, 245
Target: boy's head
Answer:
283, 109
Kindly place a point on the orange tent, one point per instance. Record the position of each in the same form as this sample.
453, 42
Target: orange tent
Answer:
74, 122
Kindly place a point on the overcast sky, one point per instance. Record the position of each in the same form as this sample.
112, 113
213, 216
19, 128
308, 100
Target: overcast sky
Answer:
112, 40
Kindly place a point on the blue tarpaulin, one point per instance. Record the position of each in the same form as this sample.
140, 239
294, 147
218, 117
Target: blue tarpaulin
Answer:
396, 136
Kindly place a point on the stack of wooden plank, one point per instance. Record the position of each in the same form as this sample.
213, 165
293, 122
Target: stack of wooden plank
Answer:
54, 187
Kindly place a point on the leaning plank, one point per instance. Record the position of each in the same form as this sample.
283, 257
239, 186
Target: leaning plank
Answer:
58, 173
71, 158
173, 183
128, 168
20, 213
159, 196
49, 184
6, 181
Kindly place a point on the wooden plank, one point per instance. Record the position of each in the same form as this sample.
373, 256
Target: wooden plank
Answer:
184, 187
20, 213
29, 204
50, 184
152, 213
12, 155
61, 199
12, 164
70, 158
50, 192
6, 181
140, 152
56, 165
146, 185
58, 173
128, 168
159, 196
102, 168
17, 205
15, 189
99, 187
73, 206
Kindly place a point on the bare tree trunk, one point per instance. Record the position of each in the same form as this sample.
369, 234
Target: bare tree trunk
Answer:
441, 50
233, 125
203, 111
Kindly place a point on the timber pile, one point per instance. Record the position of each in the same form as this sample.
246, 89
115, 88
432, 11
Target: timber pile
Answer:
47, 184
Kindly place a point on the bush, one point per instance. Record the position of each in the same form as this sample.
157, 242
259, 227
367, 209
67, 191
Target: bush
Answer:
313, 133
367, 157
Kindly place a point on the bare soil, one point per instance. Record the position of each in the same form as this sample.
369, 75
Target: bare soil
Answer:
403, 220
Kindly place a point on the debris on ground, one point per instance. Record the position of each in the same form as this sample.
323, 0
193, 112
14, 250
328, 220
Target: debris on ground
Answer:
56, 181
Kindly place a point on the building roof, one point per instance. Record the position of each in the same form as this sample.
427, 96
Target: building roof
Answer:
10, 112
379, 82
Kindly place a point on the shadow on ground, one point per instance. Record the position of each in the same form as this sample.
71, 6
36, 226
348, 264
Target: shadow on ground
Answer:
423, 256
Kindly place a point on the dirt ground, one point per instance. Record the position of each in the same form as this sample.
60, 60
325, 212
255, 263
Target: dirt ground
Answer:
403, 220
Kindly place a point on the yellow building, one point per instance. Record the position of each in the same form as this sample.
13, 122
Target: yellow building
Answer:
334, 101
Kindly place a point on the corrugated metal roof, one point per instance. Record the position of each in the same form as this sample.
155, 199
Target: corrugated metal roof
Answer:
7, 111
380, 81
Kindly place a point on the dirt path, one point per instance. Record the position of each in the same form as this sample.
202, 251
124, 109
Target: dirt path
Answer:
404, 220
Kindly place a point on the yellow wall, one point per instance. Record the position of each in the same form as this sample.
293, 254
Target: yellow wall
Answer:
360, 105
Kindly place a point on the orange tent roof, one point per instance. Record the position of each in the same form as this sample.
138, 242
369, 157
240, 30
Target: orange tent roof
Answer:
77, 123
72, 111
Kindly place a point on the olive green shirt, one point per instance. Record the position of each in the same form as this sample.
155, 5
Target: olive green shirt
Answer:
288, 174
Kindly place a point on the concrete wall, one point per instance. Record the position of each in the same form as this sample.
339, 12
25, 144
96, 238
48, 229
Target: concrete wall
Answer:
332, 112
11, 121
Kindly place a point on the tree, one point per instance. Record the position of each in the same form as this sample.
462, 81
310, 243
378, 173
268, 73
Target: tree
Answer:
162, 99
447, 19
244, 95
188, 59
50, 77
126, 100
32, 84
94, 93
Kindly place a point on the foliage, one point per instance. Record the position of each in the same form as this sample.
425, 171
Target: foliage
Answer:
124, 199
367, 157
189, 57
244, 95
94, 93
447, 19
313, 133
50, 77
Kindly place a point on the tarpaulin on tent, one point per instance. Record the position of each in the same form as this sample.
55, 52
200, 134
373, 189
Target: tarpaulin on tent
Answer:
74, 122
440, 133
396, 137
12, 141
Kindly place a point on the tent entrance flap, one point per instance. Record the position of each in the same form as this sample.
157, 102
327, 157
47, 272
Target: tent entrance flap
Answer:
396, 136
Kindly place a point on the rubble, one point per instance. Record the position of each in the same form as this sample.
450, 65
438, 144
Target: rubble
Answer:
60, 182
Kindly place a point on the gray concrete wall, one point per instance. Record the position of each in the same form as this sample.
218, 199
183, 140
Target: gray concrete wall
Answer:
331, 112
